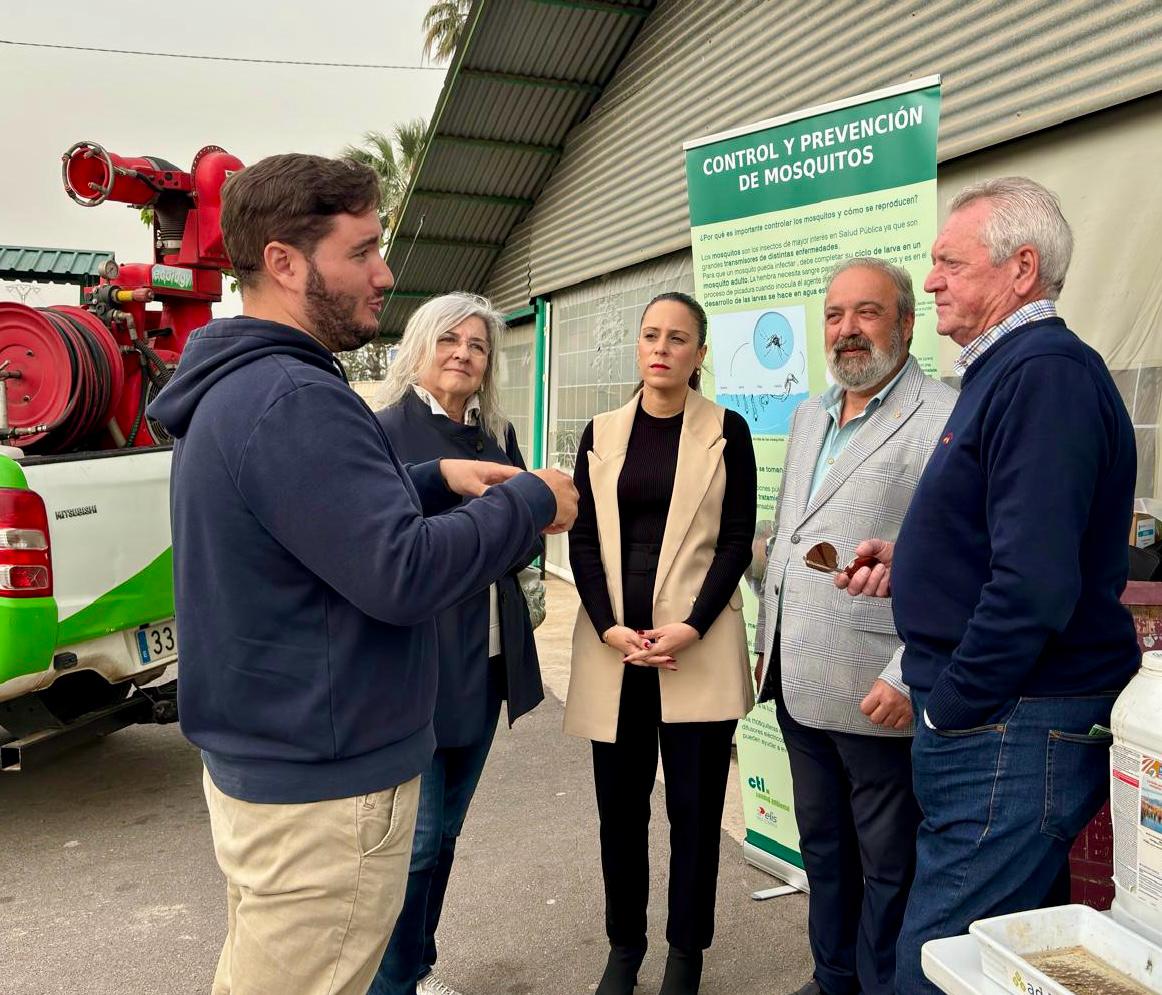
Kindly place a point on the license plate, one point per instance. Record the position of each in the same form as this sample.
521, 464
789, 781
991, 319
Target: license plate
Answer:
157, 641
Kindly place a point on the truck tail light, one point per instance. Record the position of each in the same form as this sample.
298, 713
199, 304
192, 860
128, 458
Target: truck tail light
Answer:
25, 552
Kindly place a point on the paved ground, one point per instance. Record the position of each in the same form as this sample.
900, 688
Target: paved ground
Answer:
108, 882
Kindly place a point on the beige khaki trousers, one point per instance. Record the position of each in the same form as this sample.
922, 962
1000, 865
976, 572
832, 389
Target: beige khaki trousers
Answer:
312, 890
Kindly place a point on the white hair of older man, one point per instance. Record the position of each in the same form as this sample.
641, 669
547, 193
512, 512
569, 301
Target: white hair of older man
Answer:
1024, 213
417, 350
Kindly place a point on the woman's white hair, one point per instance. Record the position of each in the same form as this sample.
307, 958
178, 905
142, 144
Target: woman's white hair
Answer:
1023, 213
417, 349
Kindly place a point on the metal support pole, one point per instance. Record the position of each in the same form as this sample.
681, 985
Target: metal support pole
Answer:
540, 389
5, 376
540, 382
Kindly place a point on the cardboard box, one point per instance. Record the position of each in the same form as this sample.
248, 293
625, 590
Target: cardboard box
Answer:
1143, 530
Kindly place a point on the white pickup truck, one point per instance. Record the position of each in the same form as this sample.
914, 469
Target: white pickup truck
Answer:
86, 597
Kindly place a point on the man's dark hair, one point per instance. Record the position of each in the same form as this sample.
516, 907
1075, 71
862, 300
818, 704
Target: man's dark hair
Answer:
291, 198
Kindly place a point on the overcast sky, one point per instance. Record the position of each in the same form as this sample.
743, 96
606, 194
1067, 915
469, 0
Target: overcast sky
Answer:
135, 105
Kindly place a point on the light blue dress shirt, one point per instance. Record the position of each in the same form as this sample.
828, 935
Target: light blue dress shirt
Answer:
837, 438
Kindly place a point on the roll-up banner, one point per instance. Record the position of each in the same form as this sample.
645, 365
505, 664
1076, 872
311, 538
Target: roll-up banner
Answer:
773, 207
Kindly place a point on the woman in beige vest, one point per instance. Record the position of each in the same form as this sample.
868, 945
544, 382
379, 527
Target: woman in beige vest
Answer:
663, 534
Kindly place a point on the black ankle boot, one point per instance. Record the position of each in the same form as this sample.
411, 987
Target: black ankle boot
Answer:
683, 972
620, 977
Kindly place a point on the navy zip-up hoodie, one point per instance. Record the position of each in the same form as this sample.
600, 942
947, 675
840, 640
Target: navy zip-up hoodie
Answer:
1012, 556
306, 578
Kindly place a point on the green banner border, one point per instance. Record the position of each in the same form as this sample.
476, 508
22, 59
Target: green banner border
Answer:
768, 845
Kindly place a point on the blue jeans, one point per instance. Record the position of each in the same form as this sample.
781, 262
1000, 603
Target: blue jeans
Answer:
1002, 804
446, 789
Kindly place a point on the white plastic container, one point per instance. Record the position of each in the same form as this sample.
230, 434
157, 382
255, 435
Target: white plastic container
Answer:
1136, 799
1009, 943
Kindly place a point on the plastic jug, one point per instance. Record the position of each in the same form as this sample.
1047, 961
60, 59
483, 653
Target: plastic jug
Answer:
1136, 800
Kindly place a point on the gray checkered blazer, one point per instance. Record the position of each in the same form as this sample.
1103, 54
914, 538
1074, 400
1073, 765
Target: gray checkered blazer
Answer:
833, 646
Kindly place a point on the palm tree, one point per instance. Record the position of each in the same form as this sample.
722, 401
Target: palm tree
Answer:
442, 25
394, 160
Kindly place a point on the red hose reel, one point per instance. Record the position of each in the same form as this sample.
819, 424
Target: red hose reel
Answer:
80, 378
63, 374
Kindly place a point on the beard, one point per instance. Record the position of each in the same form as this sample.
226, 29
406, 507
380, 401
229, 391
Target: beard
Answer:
857, 370
333, 315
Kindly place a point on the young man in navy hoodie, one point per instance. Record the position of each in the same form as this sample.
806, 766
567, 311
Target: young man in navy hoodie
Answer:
307, 579
1006, 576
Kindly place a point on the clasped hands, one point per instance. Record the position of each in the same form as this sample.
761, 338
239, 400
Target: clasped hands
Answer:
471, 478
657, 647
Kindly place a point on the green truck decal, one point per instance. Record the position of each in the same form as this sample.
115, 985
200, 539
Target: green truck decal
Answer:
28, 633
144, 597
11, 475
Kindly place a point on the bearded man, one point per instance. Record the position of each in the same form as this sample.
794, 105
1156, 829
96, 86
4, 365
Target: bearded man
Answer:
854, 456
307, 581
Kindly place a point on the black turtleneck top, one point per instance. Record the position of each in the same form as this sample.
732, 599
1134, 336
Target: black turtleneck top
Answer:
644, 489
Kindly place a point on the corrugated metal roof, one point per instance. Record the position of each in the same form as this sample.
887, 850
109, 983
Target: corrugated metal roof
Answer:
526, 72
39, 265
450, 218
578, 41
617, 193
497, 170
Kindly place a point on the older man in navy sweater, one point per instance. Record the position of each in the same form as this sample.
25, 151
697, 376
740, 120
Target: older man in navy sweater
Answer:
1006, 576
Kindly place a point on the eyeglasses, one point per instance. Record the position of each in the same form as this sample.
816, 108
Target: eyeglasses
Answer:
477, 347
822, 557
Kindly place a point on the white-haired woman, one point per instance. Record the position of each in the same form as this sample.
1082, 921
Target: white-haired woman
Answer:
440, 399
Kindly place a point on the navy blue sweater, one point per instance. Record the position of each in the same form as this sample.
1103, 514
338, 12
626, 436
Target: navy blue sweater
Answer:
469, 685
1013, 554
306, 577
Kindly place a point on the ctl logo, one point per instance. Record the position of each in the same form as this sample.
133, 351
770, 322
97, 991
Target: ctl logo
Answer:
757, 783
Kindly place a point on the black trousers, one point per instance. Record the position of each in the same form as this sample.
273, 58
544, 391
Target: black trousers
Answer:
857, 821
696, 763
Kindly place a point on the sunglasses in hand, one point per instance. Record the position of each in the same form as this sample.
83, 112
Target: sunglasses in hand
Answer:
823, 557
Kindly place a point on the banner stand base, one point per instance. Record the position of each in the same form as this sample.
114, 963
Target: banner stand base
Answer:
777, 892
796, 877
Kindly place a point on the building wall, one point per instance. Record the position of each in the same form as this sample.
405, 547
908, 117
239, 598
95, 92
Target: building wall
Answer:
1065, 91
593, 356
1102, 166
367, 389
1104, 169
617, 197
515, 369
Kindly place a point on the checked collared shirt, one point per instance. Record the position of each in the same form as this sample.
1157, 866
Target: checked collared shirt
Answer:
1033, 311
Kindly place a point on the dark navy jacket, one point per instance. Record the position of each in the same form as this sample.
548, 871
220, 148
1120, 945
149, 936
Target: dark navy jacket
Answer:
306, 578
469, 688
1011, 559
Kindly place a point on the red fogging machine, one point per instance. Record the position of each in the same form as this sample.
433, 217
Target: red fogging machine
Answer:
81, 377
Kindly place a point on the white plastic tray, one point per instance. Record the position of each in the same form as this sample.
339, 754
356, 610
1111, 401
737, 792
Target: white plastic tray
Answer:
1006, 941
